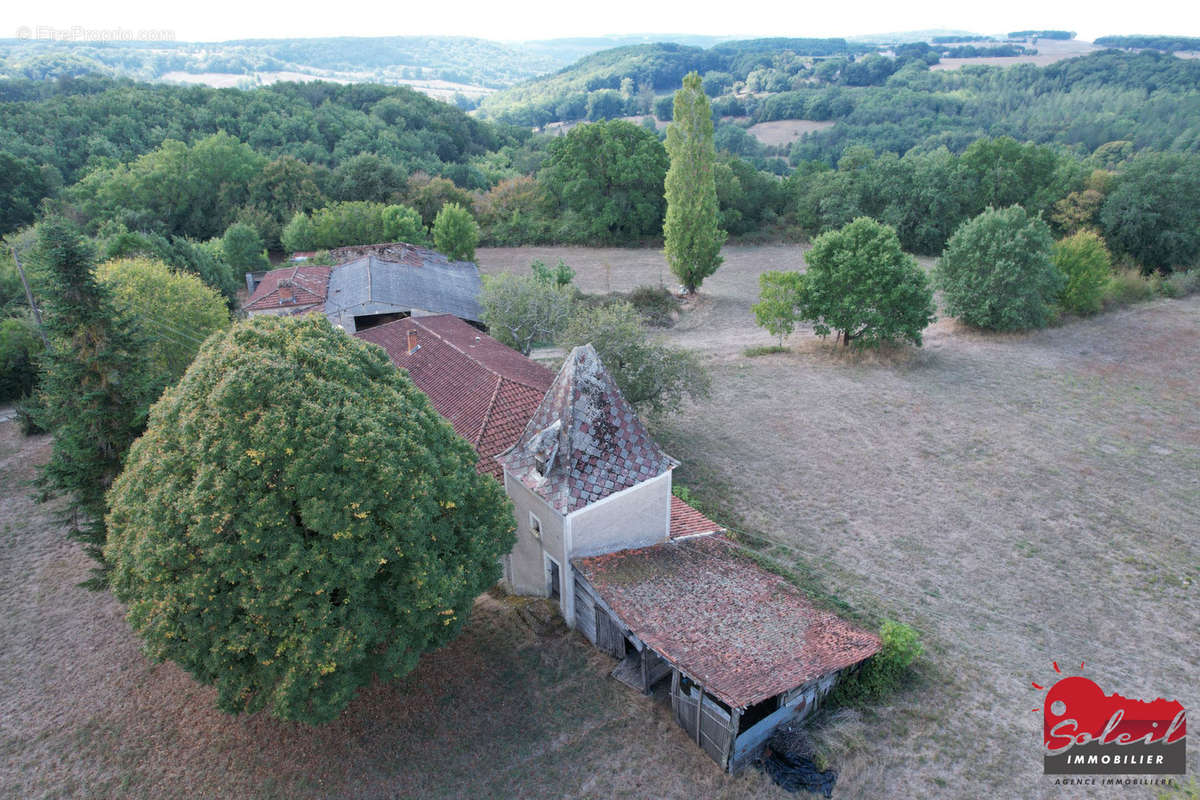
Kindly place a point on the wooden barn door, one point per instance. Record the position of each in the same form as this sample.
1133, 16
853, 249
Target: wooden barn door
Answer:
608, 636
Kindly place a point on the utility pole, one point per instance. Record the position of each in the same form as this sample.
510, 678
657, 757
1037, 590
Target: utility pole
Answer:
37, 315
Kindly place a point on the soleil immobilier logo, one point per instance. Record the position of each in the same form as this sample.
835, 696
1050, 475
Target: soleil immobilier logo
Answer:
1088, 732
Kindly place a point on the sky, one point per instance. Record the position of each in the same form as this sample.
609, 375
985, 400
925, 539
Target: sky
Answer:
218, 20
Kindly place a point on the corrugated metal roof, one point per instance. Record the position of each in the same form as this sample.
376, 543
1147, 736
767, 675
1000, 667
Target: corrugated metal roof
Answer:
422, 279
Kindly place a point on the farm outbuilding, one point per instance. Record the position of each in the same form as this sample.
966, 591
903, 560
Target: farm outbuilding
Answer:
390, 282
641, 574
745, 650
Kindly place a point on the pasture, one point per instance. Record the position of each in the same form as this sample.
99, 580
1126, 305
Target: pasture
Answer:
1020, 499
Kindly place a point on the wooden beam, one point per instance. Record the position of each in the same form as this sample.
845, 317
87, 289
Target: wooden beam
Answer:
699, 719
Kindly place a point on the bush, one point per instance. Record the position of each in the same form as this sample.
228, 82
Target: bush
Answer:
1085, 263
298, 519
455, 233
1180, 284
883, 673
1127, 286
996, 271
656, 304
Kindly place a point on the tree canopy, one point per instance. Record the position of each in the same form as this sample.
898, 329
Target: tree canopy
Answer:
176, 311
861, 284
692, 236
524, 310
996, 271
607, 178
297, 519
455, 233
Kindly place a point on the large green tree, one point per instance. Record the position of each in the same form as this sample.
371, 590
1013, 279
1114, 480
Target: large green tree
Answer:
862, 285
607, 178
176, 311
1153, 214
298, 519
996, 271
455, 233
691, 233
94, 387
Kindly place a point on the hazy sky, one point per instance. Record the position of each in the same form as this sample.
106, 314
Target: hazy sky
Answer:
215, 20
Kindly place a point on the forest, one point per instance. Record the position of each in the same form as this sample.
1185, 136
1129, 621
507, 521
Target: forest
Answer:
1109, 141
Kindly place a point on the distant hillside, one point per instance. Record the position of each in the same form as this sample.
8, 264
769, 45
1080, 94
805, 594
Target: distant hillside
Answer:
637, 73
1167, 44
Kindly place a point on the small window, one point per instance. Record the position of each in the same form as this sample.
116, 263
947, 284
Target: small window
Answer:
535, 526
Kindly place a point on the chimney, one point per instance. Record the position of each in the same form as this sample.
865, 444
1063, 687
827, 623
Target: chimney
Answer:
412, 341
286, 293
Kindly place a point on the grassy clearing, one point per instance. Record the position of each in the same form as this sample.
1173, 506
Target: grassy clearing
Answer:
1017, 498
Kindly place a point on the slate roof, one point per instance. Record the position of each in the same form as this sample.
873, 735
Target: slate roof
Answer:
745, 633
586, 439
405, 277
307, 285
486, 390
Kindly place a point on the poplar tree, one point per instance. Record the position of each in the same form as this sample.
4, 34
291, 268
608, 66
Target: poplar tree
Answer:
692, 236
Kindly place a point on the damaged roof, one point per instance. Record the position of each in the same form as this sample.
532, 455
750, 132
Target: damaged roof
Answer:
487, 391
584, 442
742, 632
404, 277
294, 289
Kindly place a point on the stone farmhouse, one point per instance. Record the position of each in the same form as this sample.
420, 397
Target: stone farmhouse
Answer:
637, 571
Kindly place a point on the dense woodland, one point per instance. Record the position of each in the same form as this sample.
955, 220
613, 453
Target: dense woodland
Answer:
206, 179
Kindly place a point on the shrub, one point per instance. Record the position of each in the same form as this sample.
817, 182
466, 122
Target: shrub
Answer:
656, 304
1127, 286
1180, 284
298, 519
1086, 264
886, 671
996, 271
767, 350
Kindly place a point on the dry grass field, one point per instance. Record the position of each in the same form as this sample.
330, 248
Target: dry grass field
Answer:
786, 131
1019, 499
1048, 52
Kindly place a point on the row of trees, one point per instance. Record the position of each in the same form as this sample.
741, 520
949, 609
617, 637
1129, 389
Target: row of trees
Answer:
1000, 271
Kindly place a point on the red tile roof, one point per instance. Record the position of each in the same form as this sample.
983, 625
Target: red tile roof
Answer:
486, 390
298, 288
586, 438
745, 633
687, 521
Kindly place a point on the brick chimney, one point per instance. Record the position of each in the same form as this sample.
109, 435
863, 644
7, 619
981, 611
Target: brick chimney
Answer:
412, 341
